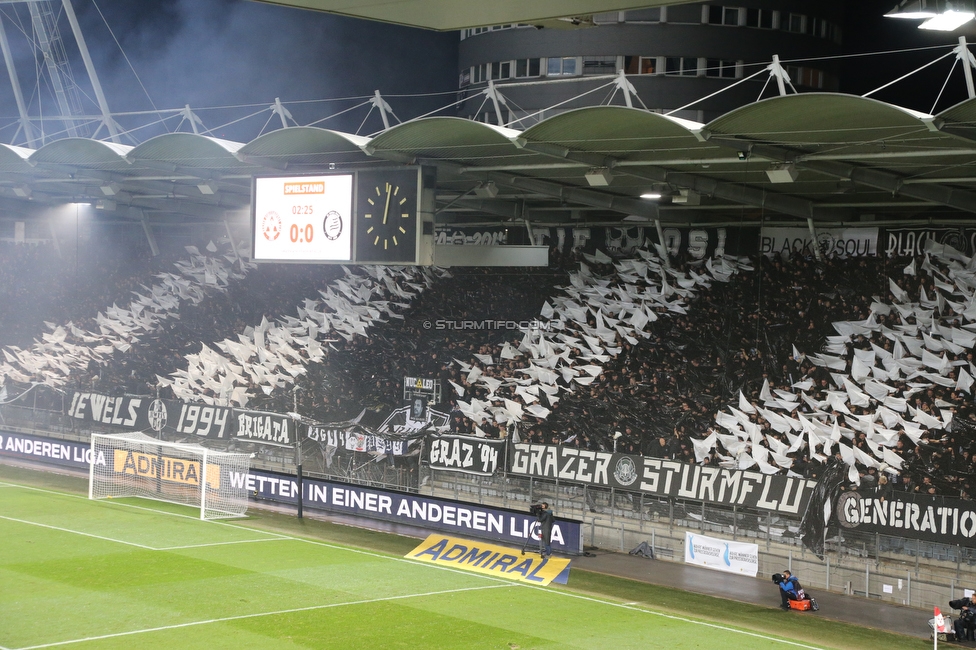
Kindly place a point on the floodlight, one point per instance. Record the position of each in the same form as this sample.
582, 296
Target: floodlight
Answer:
913, 9
687, 197
782, 173
948, 21
939, 15
487, 190
598, 177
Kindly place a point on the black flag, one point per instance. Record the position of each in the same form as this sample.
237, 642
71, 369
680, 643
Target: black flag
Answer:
813, 526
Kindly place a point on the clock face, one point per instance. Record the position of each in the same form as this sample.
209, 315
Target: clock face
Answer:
387, 211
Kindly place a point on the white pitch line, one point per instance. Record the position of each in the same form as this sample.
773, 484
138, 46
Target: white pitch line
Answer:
671, 616
78, 532
279, 612
503, 582
278, 536
281, 536
148, 548
239, 541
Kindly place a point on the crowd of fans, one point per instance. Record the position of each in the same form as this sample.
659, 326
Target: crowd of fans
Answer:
659, 393
40, 282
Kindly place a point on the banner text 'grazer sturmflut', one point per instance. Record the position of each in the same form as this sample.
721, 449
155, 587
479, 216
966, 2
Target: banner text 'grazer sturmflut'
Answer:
658, 477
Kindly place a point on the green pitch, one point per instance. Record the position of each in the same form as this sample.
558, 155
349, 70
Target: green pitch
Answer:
130, 574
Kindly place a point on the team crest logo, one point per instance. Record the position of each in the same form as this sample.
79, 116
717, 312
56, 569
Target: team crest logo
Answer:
825, 241
332, 225
955, 239
843, 509
625, 472
271, 226
157, 415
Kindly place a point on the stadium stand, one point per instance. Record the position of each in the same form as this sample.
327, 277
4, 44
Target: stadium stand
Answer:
742, 367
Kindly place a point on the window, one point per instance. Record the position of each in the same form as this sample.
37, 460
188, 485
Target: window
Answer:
480, 73
823, 29
527, 68
720, 68
681, 65
464, 78
501, 70
762, 18
599, 65
808, 77
640, 64
561, 66
718, 15
796, 23
643, 15
608, 18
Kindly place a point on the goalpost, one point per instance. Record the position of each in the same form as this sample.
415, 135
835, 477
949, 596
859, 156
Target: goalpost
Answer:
139, 466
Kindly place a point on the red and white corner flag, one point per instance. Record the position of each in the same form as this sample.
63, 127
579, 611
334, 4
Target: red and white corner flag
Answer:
940, 627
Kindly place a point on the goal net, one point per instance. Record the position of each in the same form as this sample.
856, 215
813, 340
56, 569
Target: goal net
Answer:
136, 465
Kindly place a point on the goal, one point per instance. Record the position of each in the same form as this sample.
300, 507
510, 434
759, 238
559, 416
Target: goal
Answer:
136, 465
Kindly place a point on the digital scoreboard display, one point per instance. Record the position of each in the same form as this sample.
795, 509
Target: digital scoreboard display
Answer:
303, 218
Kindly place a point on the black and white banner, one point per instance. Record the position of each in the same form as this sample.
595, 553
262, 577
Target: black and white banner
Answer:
465, 454
690, 243
513, 527
661, 477
912, 241
351, 439
903, 514
832, 242
170, 417
471, 236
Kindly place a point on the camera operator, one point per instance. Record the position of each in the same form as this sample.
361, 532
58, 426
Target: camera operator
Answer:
965, 625
790, 589
545, 516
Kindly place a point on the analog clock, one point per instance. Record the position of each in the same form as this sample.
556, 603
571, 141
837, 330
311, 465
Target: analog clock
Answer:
387, 217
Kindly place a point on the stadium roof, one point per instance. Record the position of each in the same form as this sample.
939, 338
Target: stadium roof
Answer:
821, 156
449, 15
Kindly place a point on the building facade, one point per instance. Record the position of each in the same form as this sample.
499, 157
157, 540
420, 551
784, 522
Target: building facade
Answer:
673, 57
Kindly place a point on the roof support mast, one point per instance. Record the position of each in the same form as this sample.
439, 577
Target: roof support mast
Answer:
383, 107
497, 100
776, 70
47, 39
50, 44
15, 83
107, 120
968, 63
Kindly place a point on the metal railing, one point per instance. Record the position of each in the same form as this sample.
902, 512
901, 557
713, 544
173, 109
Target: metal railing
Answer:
895, 569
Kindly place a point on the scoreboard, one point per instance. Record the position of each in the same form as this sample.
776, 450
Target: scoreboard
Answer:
374, 216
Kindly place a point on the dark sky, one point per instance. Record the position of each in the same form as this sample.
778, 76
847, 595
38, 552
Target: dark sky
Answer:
231, 52
209, 53
867, 30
